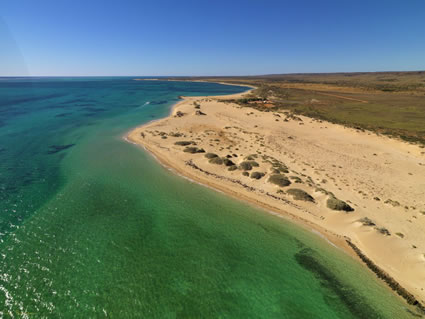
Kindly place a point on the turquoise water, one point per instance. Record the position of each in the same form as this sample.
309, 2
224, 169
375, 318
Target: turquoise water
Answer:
93, 227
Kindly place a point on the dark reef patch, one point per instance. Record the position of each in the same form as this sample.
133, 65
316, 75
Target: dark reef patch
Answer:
63, 114
14, 112
94, 109
7, 102
353, 302
394, 285
53, 149
158, 102
51, 107
74, 101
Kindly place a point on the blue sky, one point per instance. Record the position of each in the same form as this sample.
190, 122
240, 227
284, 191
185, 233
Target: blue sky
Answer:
215, 37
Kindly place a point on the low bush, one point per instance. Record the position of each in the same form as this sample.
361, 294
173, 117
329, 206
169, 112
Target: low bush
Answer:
175, 134
254, 163
366, 221
280, 166
299, 194
257, 175
392, 202
279, 180
296, 179
383, 231
216, 160
193, 150
228, 162
183, 143
246, 166
337, 204
210, 155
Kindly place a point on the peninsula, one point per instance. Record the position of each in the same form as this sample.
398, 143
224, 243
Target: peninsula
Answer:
363, 191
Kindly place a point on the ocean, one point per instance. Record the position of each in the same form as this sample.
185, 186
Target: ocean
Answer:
93, 227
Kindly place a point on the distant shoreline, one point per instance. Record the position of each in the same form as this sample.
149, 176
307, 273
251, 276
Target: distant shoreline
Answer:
201, 81
179, 163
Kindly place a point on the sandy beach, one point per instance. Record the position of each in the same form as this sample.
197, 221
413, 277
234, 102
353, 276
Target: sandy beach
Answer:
344, 183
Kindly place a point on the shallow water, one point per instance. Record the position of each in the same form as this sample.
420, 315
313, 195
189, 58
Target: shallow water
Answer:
92, 226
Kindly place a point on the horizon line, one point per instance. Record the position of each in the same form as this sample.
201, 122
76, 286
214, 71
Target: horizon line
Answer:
212, 76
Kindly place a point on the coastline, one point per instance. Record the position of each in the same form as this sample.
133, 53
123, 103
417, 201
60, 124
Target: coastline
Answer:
202, 81
182, 167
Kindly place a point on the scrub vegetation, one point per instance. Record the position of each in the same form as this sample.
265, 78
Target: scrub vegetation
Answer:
389, 103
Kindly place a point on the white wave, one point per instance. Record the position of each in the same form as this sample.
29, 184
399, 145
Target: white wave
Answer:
146, 103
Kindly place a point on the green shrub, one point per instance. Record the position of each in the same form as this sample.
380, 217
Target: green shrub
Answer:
337, 204
299, 194
392, 202
366, 221
296, 179
210, 155
246, 166
232, 168
175, 134
280, 180
193, 150
282, 168
254, 163
245, 173
216, 160
324, 191
257, 175
183, 143
383, 231
228, 162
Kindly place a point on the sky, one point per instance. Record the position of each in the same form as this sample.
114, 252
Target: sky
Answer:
214, 37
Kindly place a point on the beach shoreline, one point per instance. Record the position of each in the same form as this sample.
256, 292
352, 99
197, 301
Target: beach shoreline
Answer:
181, 163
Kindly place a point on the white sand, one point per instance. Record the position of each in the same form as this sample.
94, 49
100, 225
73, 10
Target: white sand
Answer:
356, 166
